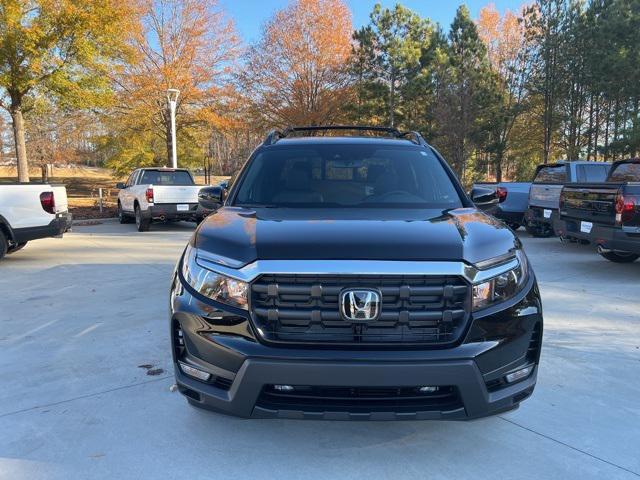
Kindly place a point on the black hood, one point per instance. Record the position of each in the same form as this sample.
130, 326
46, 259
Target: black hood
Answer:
243, 235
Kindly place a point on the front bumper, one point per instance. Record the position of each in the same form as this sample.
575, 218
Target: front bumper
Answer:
220, 340
243, 399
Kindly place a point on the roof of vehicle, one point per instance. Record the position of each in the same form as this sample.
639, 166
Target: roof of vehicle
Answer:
368, 140
164, 169
563, 163
337, 134
627, 160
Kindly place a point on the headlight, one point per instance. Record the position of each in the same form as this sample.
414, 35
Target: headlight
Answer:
211, 284
501, 287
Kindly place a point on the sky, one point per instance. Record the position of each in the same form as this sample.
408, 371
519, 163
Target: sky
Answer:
250, 15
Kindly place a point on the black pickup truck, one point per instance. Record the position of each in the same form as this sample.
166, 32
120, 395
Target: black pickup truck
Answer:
605, 214
347, 275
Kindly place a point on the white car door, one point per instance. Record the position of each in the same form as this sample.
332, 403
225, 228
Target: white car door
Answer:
126, 198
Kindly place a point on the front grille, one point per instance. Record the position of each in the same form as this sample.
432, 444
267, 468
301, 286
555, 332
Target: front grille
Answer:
359, 399
431, 310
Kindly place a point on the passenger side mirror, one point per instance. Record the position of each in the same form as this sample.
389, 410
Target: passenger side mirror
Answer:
210, 198
484, 198
120, 186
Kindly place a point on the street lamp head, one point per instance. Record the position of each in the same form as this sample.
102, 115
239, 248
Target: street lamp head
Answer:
172, 94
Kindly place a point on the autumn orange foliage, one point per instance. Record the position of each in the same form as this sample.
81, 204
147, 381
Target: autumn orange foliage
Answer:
297, 73
189, 45
503, 36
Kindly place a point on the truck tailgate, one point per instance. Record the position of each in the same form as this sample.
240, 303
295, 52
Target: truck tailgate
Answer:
595, 203
176, 194
545, 196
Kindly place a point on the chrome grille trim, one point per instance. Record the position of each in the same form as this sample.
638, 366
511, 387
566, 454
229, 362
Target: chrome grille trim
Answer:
253, 270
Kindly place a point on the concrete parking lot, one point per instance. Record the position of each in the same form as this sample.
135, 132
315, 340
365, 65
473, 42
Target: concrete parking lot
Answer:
79, 316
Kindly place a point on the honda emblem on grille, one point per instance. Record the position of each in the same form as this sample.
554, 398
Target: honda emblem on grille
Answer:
360, 305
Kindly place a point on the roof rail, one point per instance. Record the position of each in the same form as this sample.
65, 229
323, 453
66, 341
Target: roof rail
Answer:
414, 136
358, 128
275, 135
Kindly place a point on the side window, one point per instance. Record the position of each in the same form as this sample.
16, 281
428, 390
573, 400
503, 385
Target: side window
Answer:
595, 173
130, 179
581, 174
626, 172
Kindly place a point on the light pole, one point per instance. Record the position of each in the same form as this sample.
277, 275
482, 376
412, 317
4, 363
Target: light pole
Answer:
172, 98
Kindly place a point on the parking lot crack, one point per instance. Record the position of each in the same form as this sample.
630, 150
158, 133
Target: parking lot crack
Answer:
81, 397
560, 442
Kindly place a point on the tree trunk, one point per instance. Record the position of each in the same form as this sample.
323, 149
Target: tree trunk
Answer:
634, 128
597, 128
1, 140
499, 157
392, 101
21, 149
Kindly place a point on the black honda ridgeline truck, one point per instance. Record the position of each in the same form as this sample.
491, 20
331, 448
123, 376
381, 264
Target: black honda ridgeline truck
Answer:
351, 277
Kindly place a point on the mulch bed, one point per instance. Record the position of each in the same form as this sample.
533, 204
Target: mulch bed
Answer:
84, 213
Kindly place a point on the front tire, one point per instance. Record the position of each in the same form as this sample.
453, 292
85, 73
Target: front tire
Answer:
142, 224
620, 257
122, 217
4, 244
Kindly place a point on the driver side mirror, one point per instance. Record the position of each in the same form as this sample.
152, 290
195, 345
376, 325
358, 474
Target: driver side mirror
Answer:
484, 198
120, 186
211, 198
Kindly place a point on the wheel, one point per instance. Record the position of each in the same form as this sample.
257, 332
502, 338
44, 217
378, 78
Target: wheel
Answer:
16, 247
141, 223
4, 245
513, 226
620, 257
122, 217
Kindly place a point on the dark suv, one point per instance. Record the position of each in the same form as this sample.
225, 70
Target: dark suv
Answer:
351, 277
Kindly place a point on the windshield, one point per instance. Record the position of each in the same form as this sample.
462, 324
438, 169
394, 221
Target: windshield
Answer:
347, 176
162, 177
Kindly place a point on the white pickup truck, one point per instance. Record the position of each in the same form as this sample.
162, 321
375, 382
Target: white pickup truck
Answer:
29, 211
158, 194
